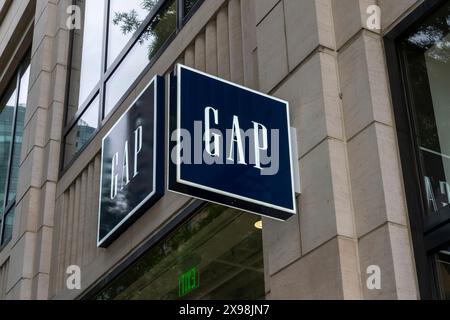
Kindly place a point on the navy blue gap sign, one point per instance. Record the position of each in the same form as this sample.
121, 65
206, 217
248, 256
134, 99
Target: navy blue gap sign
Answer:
132, 165
230, 145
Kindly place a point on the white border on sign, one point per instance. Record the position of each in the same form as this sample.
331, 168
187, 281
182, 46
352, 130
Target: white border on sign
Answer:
155, 140
229, 194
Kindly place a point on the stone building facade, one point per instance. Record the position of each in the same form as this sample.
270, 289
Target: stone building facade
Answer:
320, 55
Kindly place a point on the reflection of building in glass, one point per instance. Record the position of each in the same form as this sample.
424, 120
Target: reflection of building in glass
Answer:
84, 133
18, 138
6, 122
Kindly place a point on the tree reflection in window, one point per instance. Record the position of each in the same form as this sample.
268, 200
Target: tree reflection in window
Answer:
158, 31
425, 54
432, 37
188, 5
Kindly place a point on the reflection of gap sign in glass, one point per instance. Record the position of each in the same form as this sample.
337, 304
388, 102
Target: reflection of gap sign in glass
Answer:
136, 149
230, 145
188, 281
132, 163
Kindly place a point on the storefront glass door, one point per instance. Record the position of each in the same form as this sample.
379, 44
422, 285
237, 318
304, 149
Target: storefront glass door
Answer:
217, 254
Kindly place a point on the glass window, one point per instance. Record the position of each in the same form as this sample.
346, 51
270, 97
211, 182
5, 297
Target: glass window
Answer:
6, 130
217, 254
18, 135
161, 28
12, 116
423, 54
82, 132
443, 273
125, 17
426, 53
86, 66
109, 56
188, 5
8, 226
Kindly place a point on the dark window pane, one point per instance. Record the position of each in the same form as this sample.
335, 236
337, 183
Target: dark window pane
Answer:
218, 254
426, 52
83, 131
125, 18
159, 30
17, 148
188, 5
443, 273
86, 54
6, 126
8, 226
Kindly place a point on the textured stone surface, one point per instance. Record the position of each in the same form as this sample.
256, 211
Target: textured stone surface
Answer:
313, 53
282, 242
272, 56
328, 272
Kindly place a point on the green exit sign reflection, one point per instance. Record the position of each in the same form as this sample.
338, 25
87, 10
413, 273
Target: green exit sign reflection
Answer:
188, 281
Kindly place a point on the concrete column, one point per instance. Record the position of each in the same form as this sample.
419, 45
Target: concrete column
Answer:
318, 55
381, 217
313, 255
39, 168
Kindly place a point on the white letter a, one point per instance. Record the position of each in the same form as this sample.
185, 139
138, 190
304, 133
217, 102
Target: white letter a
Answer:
236, 132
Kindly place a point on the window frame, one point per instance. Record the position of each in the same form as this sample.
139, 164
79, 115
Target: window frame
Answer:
108, 72
429, 233
8, 207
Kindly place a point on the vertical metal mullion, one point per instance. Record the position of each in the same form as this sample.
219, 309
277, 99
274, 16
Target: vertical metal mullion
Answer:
104, 63
180, 14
